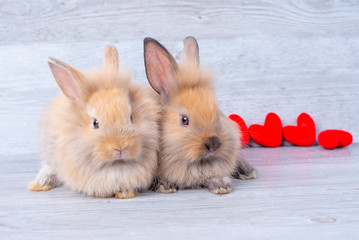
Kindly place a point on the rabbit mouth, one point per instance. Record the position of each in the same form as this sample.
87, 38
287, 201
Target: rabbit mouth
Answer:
209, 155
122, 159
119, 156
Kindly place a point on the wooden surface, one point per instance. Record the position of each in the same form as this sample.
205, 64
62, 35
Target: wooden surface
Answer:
282, 56
301, 193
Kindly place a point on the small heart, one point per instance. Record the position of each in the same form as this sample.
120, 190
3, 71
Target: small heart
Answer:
269, 135
328, 139
333, 138
242, 128
345, 138
303, 134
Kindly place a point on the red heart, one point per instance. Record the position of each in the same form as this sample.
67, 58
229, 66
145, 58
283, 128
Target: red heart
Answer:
242, 128
333, 138
303, 134
269, 135
345, 138
328, 139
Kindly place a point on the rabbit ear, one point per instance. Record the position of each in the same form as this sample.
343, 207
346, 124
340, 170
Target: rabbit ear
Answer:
191, 50
160, 66
111, 59
69, 79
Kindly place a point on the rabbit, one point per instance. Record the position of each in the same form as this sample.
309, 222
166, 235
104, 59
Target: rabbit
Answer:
100, 135
199, 145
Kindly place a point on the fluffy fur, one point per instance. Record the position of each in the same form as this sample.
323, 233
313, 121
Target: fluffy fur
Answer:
204, 152
117, 158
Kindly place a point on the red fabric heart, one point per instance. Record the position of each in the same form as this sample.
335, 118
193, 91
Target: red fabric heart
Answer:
269, 135
333, 138
328, 139
242, 128
303, 134
345, 138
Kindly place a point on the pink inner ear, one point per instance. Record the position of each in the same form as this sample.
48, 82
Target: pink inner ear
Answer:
163, 77
159, 68
66, 81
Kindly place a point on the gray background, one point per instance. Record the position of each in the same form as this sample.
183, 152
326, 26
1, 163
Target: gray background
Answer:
286, 57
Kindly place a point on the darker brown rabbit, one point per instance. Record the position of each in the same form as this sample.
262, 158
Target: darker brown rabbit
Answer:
199, 145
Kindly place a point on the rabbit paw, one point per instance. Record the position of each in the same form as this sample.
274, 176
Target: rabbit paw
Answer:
162, 189
163, 186
219, 185
244, 170
221, 190
246, 176
96, 195
126, 194
45, 180
35, 186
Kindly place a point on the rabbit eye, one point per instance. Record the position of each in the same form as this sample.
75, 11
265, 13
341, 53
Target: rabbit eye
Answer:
131, 118
95, 123
184, 120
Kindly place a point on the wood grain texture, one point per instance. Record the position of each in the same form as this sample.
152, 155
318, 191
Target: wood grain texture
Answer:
55, 21
305, 193
282, 56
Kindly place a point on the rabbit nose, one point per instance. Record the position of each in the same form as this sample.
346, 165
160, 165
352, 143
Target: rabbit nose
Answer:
212, 144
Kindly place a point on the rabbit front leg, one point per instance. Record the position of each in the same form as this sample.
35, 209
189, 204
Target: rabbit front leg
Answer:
219, 185
164, 186
45, 180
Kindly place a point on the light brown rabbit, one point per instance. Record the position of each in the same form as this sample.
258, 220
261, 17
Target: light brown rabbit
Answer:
199, 145
100, 135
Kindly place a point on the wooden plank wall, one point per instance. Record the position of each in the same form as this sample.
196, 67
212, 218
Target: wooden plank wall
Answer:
283, 56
